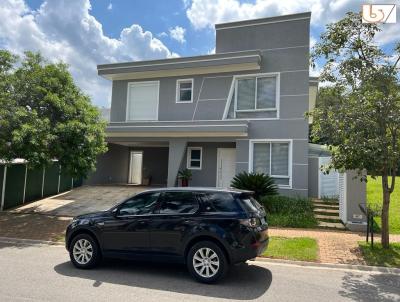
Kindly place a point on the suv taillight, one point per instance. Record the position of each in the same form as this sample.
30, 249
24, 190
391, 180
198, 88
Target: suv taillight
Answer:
251, 222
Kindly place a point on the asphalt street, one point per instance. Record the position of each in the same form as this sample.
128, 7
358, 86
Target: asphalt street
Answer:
38, 272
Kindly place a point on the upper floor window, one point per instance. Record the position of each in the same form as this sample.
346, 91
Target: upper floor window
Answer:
184, 91
194, 158
255, 96
142, 101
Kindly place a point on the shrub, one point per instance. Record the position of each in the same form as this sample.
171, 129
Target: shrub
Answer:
261, 184
286, 211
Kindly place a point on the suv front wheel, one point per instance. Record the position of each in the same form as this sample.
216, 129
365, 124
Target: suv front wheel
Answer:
206, 262
84, 251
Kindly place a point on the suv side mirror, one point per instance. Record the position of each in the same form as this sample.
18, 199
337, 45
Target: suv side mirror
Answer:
115, 212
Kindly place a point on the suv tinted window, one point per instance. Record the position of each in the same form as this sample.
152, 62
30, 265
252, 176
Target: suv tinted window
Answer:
220, 202
250, 203
178, 203
139, 204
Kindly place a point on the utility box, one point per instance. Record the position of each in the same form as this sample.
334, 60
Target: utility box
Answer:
352, 193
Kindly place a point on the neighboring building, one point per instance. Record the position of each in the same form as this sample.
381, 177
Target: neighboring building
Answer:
240, 109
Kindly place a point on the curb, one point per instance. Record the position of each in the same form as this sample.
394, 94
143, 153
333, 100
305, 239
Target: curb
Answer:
366, 268
30, 241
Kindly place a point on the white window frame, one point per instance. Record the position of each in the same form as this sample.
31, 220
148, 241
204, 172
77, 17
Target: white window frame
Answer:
132, 84
178, 89
189, 158
233, 90
290, 162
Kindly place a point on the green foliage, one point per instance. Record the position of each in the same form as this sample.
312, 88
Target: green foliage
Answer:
300, 248
381, 257
374, 200
261, 184
363, 123
45, 116
286, 211
185, 174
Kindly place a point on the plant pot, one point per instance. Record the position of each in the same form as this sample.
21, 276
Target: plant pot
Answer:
185, 182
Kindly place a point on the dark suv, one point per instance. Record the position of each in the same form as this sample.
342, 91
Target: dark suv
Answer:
207, 229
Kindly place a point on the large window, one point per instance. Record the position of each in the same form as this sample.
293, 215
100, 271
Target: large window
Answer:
256, 93
184, 91
194, 158
142, 101
178, 203
255, 96
272, 158
139, 205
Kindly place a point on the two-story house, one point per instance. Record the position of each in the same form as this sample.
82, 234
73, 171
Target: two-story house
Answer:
240, 109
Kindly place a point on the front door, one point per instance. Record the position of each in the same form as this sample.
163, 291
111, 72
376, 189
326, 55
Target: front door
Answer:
135, 167
226, 166
127, 231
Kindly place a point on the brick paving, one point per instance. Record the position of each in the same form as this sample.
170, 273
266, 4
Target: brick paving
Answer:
334, 246
33, 226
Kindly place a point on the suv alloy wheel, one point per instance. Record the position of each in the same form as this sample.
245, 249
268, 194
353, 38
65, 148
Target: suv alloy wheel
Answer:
206, 262
84, 251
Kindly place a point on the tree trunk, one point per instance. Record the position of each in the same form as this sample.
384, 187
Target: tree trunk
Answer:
385, 212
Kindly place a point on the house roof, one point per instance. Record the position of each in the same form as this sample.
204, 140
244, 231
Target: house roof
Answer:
182, 129
262, 21
215, 63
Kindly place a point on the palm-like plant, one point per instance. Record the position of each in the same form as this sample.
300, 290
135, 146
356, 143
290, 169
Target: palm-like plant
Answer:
261, 184
185, 175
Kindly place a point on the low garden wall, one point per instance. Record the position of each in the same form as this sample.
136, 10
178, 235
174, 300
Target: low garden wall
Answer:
20, 184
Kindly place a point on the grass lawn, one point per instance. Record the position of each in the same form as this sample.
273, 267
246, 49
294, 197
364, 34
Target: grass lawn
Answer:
374, 196
381, 257
301, 248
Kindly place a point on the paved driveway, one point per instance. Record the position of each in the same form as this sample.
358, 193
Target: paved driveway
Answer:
81, 200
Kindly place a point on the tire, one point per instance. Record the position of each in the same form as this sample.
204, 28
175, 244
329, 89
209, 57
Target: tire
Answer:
206, 262
84, 251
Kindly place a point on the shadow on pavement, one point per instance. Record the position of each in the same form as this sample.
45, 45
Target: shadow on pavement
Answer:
243, 282
374, 287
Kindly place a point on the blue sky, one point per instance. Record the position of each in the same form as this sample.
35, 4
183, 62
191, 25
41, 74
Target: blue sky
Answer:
85, 33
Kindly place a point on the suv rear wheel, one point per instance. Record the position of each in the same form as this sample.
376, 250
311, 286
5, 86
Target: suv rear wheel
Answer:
84, 251
206, 262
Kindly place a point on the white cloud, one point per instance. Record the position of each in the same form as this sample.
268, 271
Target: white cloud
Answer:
162, 34
211, 51
178, 33
110, 6
206, 13
65, 30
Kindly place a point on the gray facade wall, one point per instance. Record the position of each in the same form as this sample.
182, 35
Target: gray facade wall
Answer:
112, 167
207, 176
284, 48
313, 176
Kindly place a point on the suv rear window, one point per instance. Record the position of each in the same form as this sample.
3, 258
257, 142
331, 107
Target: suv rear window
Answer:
250, 203
219, 202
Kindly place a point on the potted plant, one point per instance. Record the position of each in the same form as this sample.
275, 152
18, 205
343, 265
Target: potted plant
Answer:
185, 175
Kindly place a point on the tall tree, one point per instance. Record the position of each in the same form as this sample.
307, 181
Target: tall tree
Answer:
45, 116
364, 124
